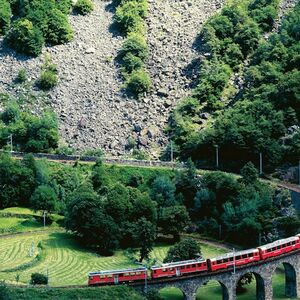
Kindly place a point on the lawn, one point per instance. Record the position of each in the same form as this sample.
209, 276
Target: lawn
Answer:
11, 225
65, 261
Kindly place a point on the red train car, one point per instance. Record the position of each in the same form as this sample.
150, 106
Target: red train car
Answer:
180, 268
233, 258
279, 247
116, 276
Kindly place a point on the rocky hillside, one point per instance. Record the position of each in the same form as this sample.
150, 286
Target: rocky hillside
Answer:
92, 110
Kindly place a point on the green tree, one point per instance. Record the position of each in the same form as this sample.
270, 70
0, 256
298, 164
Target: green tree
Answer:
44, 198
85, 216
249, 173
184, 250
173, 220
4, 291
163, 191
144, 235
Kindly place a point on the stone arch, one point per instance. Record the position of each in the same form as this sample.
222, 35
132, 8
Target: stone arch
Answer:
175, 286
260, 285
290, 279
224, 289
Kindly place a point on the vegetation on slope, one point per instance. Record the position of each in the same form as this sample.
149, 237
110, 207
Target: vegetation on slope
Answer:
36, 22
130, 15
264, 115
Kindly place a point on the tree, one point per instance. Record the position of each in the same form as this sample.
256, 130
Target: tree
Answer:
184, 250
86, 217
44, 198
249, 173
163, 191
153, 294
173, 220
99, 177
144, 235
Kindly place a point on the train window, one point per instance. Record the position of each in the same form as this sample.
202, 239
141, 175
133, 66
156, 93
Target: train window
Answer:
219, 261
164, 269
132, 274
109, 276
171, 269
238, 257
138, 273
294, 242
193, 266
231, 259
102, 276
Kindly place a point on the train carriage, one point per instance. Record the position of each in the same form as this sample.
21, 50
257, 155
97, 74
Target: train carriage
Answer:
279, 247
116, 276
233, 258
180, 268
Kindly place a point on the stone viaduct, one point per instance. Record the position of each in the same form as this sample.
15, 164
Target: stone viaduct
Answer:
263, 273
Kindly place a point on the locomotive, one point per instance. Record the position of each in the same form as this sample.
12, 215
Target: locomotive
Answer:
196, 266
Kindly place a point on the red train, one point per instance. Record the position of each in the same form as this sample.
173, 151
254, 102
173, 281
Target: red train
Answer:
194, 266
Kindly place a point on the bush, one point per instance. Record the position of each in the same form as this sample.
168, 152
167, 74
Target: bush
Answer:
129, 16
59, 30
25, 38
38, 278
47, 80
64, 6
136, 45
4, 291
5, 14
131, 62
22, 76
84, 7
139, 82
265, 17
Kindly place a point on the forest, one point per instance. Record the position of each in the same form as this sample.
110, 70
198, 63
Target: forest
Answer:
108, 207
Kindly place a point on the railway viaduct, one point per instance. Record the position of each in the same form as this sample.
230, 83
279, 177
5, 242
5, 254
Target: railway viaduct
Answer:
228, 280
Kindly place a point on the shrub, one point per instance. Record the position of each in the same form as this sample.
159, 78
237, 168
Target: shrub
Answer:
131, 62
139, 82
222, 26
265, 17
22, 76
136, 45
59, 30
25, 38
47, 80
38, 278
64, 6
84, 7
5, 14
129, 16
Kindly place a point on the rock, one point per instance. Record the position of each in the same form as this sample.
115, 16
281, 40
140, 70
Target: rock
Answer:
163, 92
90, 50
204, 116
142, 141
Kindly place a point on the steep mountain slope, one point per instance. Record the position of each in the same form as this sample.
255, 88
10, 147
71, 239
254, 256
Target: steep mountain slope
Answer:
92, 111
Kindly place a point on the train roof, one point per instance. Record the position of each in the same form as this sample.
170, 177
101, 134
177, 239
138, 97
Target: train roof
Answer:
142, 269
279, 242
232, 254
179, 263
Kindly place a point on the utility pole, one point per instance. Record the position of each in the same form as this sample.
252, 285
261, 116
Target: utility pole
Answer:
11, 142
146, 274
172, 154
260, 164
